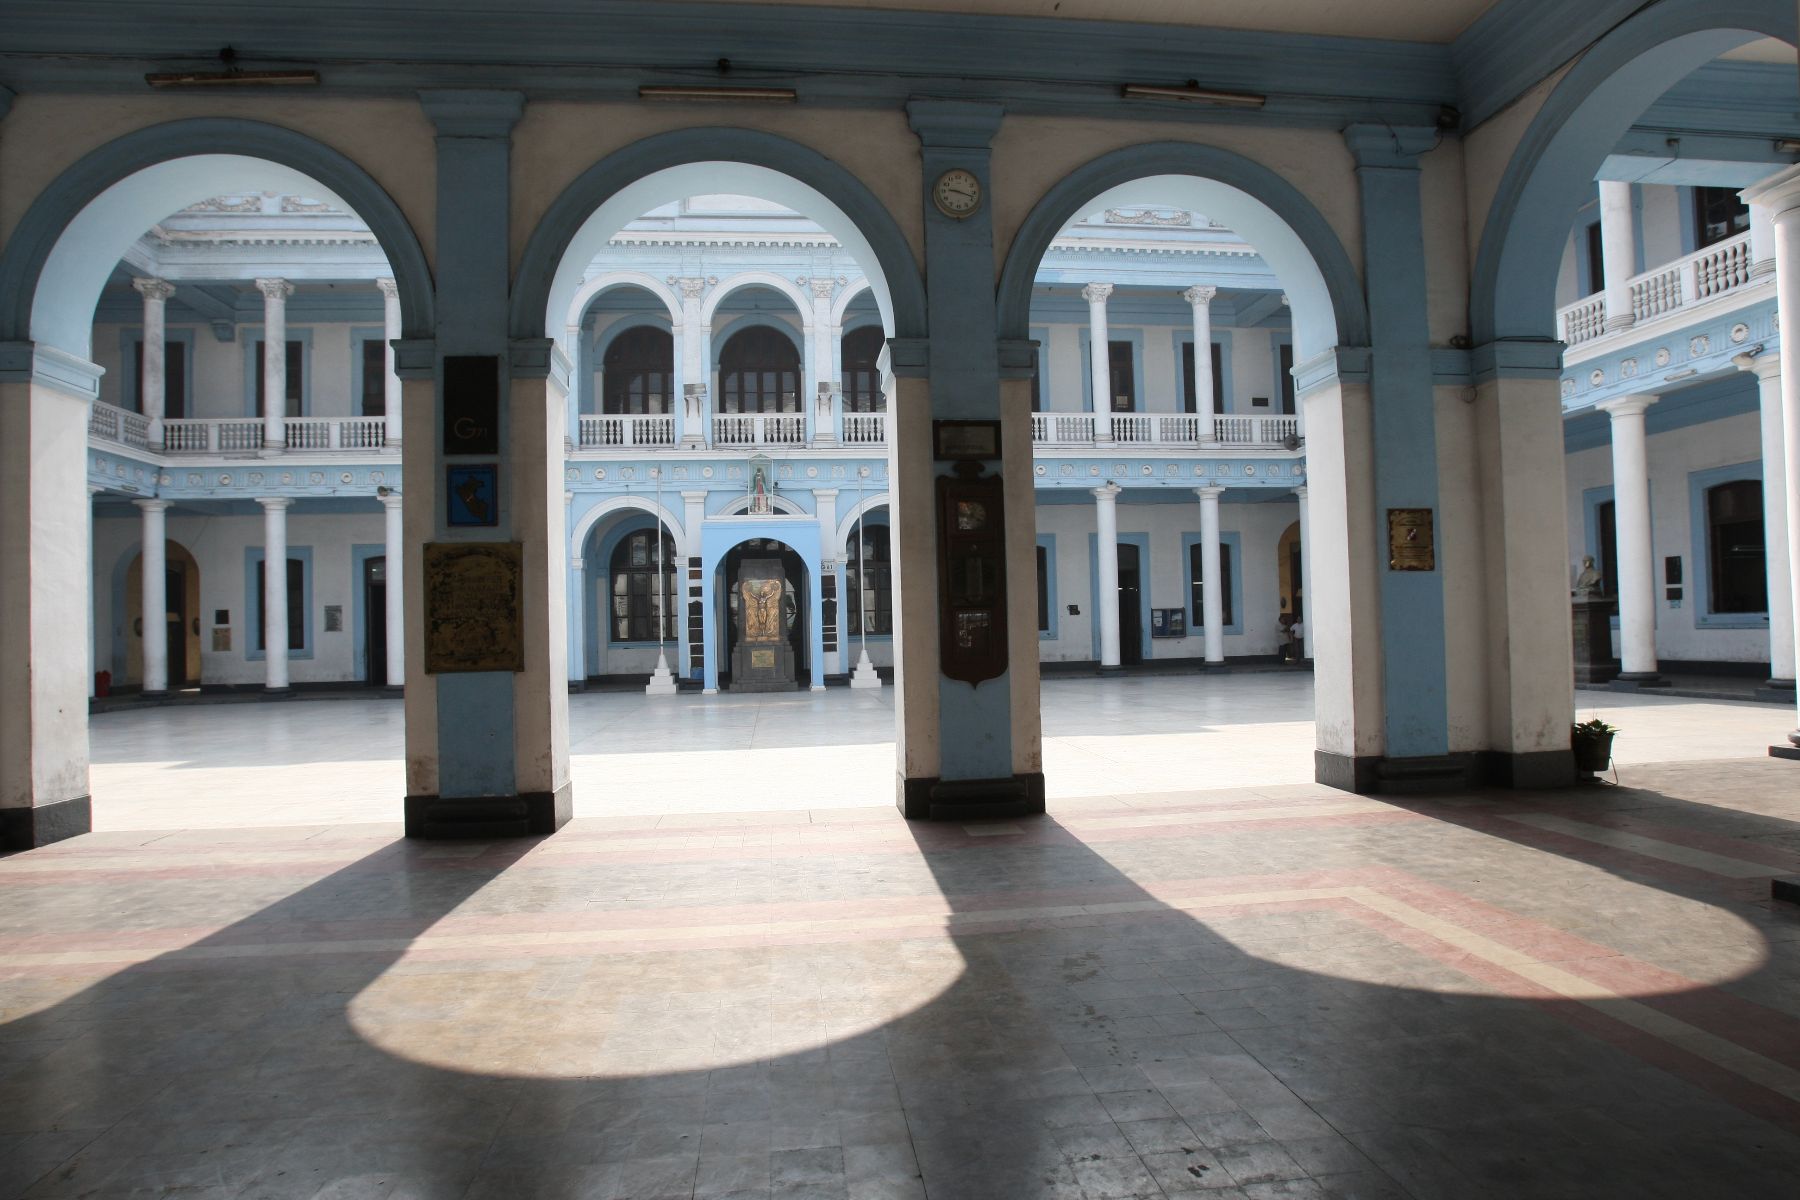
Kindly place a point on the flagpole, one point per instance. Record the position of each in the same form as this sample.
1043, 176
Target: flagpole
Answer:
662, 681
864, 676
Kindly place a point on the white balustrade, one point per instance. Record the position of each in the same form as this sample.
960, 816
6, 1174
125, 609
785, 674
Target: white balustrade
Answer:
362, 433
1161, 429
103, 421
1584, 321
1187, 427
1131, 428
238, 435
1657, 292
865, 429
759, 429
189, 437
1722, 267
308, 433
604, 430
1718, 270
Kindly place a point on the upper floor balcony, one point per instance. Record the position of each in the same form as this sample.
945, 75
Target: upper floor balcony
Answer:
182, 437
1688, 289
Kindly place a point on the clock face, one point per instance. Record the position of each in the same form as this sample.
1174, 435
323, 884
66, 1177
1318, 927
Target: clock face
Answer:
957, 193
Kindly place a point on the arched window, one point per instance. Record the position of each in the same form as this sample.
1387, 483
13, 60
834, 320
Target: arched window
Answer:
862, 378
1734, 538
640, 372
639, 605
759, 371
867, 579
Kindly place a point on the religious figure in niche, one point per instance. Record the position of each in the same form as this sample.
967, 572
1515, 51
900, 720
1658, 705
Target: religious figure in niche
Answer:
759, 492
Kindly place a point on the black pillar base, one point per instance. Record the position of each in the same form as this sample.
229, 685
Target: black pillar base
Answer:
530, 814
1535, 769
1635, 681
1785, 888
277, 693
1103, 669
933, 799
29, 828
1213, 668
1776, 691
1374, 775
1789, 751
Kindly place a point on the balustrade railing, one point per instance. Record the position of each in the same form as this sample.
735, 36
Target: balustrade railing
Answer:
598, 431
235, 435
1161, 429
758, 429
103, 421
1718, 270
308, 433
1584, 321
865, 429
362, 433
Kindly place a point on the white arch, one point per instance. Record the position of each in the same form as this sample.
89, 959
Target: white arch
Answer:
607, 280
841, 546
737, 505
842, 304
768, 279
585, 523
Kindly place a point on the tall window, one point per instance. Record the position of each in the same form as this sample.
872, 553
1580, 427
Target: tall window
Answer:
374, 377
174, 380
862, 378
1734, 538
296, 374
296, 605
1043, 582
1037, 383
1286, 361
1124, 383
1718, 214
1197, 585
640, 373
759, 371
1596, 259
1606, 528
868, 578
1188, 396
643, 588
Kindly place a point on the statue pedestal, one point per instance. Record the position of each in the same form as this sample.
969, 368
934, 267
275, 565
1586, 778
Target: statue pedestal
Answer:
1594, 661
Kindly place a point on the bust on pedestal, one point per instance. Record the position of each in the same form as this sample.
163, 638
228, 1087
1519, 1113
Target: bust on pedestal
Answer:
1592, 614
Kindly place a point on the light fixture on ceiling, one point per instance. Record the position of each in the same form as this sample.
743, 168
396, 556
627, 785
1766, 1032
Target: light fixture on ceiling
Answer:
726, 93
1194, 93
231, 75
1787, 145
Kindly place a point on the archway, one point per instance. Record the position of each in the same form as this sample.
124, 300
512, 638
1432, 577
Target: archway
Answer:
181, 622
765, 595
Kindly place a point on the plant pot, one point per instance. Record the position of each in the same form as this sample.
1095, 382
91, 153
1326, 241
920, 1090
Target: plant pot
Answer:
1593, 752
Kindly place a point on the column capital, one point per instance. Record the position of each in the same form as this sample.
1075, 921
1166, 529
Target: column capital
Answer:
1107, 492
472, 112
152, 505
275, 289
823, 287
825, 493
1394, 147
694, 497
1779, 193
692, 287
1210, 492
1764, 364
1200, 295
1096, 293
391, 500
1626, 406
388, 288
576, 564
275, 503
151, 288
1301, 492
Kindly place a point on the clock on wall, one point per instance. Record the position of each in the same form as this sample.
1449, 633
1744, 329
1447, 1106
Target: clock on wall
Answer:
957, 193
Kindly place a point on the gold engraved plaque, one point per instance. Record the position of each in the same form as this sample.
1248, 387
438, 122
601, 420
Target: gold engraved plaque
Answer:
762, 610
762, 660
1410, 546
472, 607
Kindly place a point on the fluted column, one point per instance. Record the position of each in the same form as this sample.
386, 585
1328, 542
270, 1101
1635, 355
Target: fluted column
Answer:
152, 372
1106, 567
1201, 299
1212, 591
393, 512
1099, 367
1631, 509
390, 402
1306, 622
1618, 252
275, 597
155, 594
274, 414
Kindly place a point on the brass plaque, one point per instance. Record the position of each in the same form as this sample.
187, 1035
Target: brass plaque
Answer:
1410, 546
762, 610
762, 660
472, 607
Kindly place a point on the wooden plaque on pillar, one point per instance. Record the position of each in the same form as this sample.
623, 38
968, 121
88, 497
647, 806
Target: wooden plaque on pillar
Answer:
473, 610
472, 404
971, 575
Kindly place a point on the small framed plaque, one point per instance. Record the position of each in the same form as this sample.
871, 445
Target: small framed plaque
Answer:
1168, 622
472, 607
966, 441
1410, 545
472, 495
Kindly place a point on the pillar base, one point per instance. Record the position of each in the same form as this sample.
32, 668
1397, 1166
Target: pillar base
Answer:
1787, 889
1530, 769
1372, 774
1789, 751
1615, 324
933, 799
864, 676
662, 683
1632, 681
1215, 668
529, 814
29, 828
1113, 669
158, 694
276, 693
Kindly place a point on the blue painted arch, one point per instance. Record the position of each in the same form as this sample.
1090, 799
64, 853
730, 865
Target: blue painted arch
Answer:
75, 232
1551, 173
671, 166
1324, 289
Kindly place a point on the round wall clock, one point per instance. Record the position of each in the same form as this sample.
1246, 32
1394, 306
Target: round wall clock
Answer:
957, 193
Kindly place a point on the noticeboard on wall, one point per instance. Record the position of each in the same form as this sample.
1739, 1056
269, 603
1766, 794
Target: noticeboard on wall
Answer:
1168, 622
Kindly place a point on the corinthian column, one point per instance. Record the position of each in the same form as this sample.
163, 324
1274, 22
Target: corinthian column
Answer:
1106, 567
390, 403
1201, 298
1637, 566
1099, 368
152, 375
274, 414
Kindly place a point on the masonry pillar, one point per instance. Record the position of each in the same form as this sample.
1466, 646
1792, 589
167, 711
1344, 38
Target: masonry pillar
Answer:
1637, 568
1201, 298
1106, 570
93, 656
694, 342
823, 394
1766, 366
152, 371
1780, 195
394, 527
825, 504
154, 619
1212, 592
390, 387
1305, 613
697, 592
45, 396
1099, 364
274, 414
275, 593
1618, 253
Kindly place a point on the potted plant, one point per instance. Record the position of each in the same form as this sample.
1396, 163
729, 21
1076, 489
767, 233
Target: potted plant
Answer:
1591, 740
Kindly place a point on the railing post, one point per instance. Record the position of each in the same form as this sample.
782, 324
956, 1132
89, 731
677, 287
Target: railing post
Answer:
1690, 283
334, 435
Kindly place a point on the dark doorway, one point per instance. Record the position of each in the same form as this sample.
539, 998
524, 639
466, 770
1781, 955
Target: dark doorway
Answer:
794, 568
1131, 625
375, 621
176, 620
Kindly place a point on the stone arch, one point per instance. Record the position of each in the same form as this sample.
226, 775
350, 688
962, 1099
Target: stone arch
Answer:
75, 232
841, 304
1512, 289
841, 538
607, 281
605, 337
585, 523
756, 321
1324, 290
740, 505
749, 279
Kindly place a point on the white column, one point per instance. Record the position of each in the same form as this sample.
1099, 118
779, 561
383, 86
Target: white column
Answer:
1767, 369
93, 656
274, 414
1099, 369
155, 607
693, 518
275, 606
693, 343
1618, 252
1212, 594
1762, 240
151, 376
1631, 508
1106, 568
578, 595
1306, 622
1201, 298
393, 511
390, 404
825, 386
